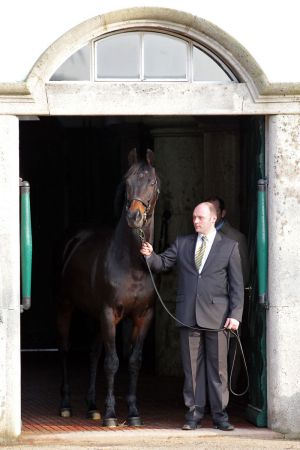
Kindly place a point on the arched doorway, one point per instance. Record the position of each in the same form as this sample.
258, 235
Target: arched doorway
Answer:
111, 99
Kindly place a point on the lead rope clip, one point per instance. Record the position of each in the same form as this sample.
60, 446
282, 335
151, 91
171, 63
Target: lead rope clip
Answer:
141, 234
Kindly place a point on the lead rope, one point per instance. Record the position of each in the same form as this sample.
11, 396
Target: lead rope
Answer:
141, 235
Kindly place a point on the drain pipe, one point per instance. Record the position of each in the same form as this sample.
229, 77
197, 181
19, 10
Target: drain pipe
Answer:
262, 242
26, 245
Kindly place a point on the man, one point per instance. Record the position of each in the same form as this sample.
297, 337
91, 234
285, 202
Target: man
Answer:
224, 227
210, 297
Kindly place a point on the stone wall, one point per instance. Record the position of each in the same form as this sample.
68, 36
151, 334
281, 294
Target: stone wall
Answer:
10, 388
283, 317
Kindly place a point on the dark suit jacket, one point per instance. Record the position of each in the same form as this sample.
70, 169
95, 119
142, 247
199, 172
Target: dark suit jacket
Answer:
205, 299
236, 235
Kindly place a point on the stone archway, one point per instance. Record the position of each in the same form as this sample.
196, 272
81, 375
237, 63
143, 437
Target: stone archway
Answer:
38, 96
254, 95
252, 79
148, 98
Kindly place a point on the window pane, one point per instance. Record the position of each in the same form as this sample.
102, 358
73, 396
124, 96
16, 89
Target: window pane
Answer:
165, 57
75, 68
206, 69
119, 56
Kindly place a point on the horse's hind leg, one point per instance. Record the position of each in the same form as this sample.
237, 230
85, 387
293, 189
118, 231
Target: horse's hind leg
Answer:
64, 315
139, 332
93, 412
111, 365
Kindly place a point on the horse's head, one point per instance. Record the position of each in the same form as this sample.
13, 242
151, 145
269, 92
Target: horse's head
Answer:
142, 190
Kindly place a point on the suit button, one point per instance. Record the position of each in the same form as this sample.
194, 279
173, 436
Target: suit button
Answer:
199, 276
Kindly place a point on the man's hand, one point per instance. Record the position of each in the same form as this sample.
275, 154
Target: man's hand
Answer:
146, 249
231, 324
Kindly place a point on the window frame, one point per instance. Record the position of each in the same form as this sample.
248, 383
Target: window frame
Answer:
142, 77
190, 44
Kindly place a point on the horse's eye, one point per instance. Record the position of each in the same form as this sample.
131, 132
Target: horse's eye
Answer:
152, 182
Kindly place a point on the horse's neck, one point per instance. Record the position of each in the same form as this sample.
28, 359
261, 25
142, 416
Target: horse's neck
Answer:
126, 241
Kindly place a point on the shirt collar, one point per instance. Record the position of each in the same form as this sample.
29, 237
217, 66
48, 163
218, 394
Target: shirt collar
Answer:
210, 236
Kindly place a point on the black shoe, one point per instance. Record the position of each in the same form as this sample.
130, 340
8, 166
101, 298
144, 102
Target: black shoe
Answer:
224, 426
191, 425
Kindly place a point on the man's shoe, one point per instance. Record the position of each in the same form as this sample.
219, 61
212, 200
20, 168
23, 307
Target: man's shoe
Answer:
191, 425
224, 426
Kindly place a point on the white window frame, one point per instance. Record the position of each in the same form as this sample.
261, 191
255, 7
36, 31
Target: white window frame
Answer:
189, 61
142, 59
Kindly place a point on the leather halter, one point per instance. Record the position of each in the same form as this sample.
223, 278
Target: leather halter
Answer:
148, 205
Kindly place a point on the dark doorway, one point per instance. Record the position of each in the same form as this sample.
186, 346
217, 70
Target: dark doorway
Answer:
66, 161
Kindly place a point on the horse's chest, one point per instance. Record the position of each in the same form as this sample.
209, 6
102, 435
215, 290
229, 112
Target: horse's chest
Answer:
135, 288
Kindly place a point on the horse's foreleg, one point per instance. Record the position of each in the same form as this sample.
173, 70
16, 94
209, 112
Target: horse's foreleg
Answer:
64, 315
140, 329
93, 412
111, 365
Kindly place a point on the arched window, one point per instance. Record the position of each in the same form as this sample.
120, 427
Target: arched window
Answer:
143, 56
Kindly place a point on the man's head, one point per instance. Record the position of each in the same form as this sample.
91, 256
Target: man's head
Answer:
204, 218
219, 204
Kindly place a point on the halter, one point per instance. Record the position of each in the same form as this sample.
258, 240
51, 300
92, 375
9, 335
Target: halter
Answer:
146, 205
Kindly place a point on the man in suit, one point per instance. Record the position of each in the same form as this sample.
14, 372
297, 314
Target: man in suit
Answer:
209, 297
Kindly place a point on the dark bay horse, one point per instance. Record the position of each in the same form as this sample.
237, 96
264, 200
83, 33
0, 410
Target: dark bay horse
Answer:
106, 277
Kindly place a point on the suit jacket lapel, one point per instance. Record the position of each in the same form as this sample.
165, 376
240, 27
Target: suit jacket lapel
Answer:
213, 251
192, 248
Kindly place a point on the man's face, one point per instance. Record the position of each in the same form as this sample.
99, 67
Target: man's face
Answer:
220, 214
203, 219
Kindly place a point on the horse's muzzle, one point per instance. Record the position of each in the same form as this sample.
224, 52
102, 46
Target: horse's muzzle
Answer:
135, 219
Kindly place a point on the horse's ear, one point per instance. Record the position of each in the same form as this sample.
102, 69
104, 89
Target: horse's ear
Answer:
150, 157
132, 157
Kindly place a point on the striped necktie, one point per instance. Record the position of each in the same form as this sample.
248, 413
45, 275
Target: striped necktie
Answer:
200, 252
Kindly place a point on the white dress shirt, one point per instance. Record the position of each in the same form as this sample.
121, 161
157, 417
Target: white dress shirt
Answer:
209, 242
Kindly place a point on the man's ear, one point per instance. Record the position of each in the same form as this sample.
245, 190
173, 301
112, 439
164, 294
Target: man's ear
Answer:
223, 213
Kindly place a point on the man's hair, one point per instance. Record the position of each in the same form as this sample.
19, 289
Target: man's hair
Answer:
217, 199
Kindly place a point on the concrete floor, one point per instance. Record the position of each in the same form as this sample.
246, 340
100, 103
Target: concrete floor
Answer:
155, 439
161, 408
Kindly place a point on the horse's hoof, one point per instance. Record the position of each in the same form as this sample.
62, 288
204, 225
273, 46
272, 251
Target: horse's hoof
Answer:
65, 412
110, 422
134, 421
94, 414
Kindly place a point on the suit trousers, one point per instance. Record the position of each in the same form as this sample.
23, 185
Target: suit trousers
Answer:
204, 360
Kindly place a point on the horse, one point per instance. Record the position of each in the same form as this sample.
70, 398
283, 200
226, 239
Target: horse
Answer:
107, 278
